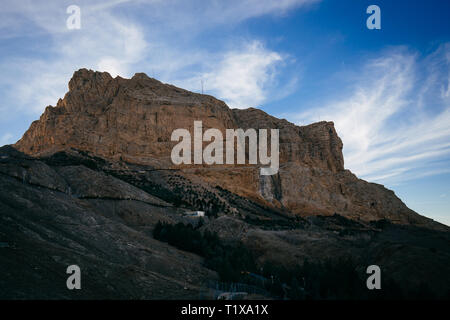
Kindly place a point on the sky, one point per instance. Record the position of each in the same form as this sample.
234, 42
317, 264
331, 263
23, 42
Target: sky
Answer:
387, 90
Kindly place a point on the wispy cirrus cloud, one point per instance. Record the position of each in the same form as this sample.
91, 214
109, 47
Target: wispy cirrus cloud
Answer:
239, 10
161, 42
394, 121
105, 42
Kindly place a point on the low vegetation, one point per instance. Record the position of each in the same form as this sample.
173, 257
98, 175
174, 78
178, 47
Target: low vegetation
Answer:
227, 260
332, 279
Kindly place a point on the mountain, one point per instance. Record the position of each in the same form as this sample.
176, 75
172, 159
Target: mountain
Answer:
132, 120
92, 183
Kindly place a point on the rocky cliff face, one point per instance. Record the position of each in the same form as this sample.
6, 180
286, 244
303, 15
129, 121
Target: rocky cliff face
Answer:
131, 120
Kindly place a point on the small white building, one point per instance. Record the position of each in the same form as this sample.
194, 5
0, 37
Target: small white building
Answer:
195, 214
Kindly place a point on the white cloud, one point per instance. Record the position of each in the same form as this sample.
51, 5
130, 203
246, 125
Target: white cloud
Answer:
104, 43
243, 77
394, 125
238, 10
161, 43
199, 15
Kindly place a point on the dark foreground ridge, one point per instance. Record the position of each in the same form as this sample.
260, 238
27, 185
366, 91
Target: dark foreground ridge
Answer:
72, 208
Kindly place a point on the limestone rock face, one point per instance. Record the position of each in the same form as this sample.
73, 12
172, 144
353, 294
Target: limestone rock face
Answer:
131, 120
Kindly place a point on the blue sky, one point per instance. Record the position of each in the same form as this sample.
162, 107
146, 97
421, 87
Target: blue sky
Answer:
386, 90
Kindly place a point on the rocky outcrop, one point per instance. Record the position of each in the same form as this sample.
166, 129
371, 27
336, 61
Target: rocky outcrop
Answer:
134, 119
131, 120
